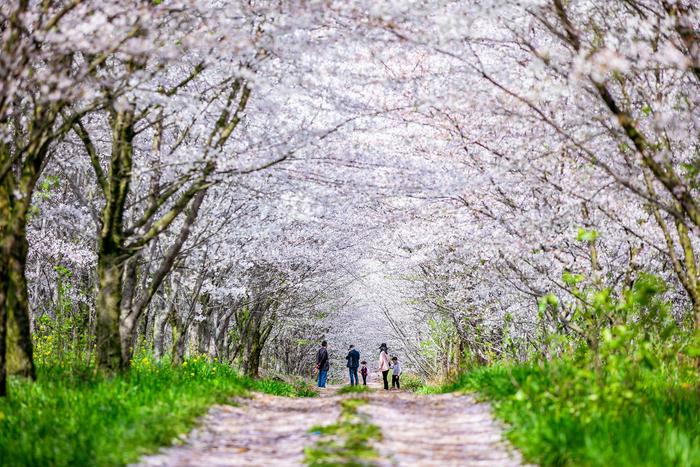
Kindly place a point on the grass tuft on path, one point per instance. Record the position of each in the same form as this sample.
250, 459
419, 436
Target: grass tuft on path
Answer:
563, 415
348, 442
359, 389
75, 417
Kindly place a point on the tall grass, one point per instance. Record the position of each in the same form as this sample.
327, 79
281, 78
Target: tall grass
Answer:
563, 415
73, 416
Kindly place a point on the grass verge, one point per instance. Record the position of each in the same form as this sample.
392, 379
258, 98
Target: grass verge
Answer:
348, 442
563, 415
76, 417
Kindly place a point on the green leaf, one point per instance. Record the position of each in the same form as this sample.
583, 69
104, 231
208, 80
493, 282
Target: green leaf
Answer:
548, 300
571, 279
585, 235
692, 351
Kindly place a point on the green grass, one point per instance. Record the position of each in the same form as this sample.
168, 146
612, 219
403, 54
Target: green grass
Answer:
347, 442
411, 382
76, 417
281, 388
562, 415
359, 389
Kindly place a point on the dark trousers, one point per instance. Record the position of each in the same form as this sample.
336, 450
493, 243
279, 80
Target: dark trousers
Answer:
322, 375
364, 380
385, 375
395, 381
353, 376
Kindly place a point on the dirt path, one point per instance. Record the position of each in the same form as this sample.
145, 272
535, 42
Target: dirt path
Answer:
444, 430
261, 431
440, 430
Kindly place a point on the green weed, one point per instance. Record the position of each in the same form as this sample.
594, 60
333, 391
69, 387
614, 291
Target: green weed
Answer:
411, 382
354, 389
281, 388
348, 442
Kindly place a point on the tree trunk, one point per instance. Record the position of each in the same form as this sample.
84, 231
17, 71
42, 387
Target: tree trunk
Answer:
160, 323
109, 296
255, 336
686, 268
179, 348
127, 336
180, 341
4, 283
222, 335
16, 354
164, 317
20, 359
203, 335
116, 325
251, 365
111, 257
252, 350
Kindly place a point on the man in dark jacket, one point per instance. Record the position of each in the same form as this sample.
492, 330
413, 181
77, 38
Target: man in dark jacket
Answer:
322, 364
353, 363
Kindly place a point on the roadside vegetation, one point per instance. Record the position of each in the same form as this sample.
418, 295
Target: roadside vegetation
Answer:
411, 382
626, 394
560, 414
75, 416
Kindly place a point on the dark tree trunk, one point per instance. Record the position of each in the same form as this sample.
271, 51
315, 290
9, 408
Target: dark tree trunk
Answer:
179, 346
255, 337
109, 276
20, 358
16, 353
252, 351
4, 283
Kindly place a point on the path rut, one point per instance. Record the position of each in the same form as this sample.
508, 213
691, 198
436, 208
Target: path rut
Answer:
440, 430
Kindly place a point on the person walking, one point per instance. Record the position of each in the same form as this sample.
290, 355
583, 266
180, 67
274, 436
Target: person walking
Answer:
353, 359
322, 364
384, 364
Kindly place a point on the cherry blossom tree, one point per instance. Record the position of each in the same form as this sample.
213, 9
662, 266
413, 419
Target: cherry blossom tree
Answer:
245, 180
50, 53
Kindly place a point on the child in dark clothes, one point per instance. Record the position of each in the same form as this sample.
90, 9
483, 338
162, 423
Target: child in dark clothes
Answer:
363, 372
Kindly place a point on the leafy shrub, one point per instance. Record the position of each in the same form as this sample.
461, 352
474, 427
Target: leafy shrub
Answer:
61, 336
411, 382
304, 389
